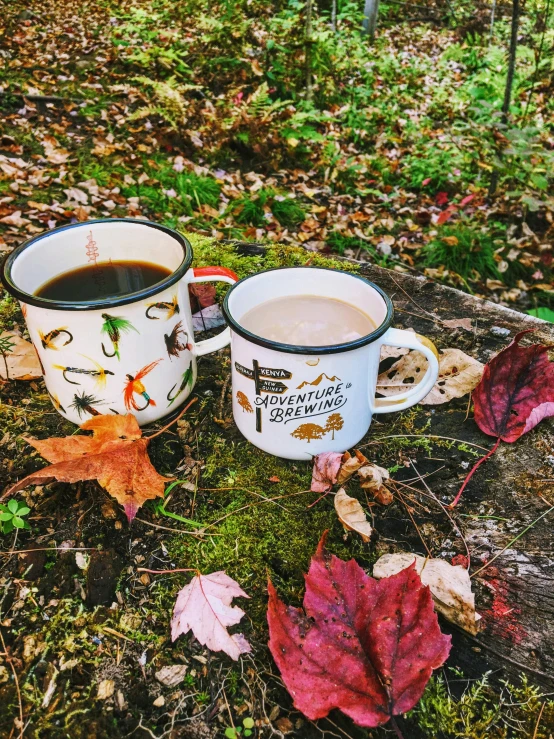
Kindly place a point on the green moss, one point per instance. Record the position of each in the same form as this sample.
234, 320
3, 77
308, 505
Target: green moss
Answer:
210, 251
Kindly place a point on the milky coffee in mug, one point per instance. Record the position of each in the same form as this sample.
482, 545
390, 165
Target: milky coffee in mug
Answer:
305, 349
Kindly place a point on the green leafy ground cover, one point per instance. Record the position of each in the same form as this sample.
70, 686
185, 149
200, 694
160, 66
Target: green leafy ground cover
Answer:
200, 115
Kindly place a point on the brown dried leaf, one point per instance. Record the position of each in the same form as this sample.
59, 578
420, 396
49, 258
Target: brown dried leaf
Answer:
372, 478
116, 456
22, 360
351, 515
459, 374
450, 586
350, 465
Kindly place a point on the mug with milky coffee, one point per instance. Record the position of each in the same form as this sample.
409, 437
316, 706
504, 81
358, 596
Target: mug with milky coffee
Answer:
107, 307
305, 348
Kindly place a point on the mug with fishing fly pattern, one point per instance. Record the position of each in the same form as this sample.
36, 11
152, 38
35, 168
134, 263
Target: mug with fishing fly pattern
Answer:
132, 353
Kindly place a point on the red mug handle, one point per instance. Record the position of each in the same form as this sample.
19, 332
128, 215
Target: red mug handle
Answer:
213, 274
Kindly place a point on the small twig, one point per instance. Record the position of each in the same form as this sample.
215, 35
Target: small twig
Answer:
169, 572
414, 523
509, 544
536, 732
9, 660
444, 508
396, 728
167, 528
470, 473
182, 413
435, 318
425, 436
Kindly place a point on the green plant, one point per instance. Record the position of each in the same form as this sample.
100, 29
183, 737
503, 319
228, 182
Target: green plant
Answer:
239, 731
547, 314
6, 347
12, 516
464, 251
252, 209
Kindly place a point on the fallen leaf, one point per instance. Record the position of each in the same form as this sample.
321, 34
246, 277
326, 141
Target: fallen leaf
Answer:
53, 152
516, 393
350, 465
365, 646
208, 318
325, 471
115, 455
105, 690
202, 296
203, 606
450, 586
21, 360
373, 479
351, 515
171, 675
15, 219
458, 375
464, 323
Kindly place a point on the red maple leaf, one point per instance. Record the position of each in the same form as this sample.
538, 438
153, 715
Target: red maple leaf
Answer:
441, 198
365, 646
515, 393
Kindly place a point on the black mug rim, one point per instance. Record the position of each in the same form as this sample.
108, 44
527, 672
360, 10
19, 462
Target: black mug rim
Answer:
89, 305
299, 349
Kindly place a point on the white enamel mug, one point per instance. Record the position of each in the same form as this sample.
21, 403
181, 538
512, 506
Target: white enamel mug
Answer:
298, 401
131, 354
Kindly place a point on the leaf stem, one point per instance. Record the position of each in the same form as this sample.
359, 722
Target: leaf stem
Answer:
470, 474
182, 413
396, 728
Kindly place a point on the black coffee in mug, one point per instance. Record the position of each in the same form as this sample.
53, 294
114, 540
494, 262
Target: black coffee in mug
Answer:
102, 280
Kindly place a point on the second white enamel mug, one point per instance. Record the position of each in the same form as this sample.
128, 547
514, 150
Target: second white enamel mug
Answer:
298, 401
134, 353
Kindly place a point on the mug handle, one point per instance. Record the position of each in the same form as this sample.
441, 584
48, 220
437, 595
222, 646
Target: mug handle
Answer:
408, 340
213, 274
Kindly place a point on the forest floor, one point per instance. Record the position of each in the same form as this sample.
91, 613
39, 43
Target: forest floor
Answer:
97, 121
141, 109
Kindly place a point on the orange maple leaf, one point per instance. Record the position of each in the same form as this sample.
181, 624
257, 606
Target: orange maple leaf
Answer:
115, 455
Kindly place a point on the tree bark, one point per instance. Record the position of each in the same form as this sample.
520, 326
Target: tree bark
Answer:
371, 10
308, 32
509, 82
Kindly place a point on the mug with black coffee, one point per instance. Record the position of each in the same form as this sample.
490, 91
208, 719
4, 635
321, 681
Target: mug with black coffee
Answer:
107, 308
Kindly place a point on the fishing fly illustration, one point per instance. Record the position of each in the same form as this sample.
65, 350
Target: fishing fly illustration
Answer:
173, 342
84, 403
187, 379
134, 385
47, 340
171, 309
99, 373
56, 402
114, 326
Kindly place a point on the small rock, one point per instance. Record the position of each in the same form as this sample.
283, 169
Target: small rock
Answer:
105, 690
120, 700
171, 675
500, 331
159, 702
